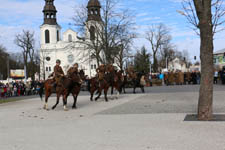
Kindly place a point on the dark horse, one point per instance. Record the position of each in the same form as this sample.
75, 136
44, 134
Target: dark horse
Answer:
70, 85
137, 81
110, 79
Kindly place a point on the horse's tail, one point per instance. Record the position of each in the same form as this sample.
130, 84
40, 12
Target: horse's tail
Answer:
41, 90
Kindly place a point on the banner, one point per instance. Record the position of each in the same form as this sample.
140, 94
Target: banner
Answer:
18, 73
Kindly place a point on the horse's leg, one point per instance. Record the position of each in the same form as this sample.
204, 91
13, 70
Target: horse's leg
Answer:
99, 93
105, 93
74, 100
112, 89
118, 92
92, 90
123, 87
142, 89
47, 94
57, 101
134, 87
65, 102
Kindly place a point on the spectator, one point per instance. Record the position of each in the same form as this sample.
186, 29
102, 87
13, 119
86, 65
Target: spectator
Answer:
216, 74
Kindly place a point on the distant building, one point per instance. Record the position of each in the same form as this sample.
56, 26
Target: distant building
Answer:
177, 64
195, 67
219, 59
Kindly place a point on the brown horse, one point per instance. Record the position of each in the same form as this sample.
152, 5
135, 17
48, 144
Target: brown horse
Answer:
109, 78
75, 90
69, 86
135, 80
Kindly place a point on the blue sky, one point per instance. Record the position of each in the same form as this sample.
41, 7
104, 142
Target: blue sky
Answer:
16, 15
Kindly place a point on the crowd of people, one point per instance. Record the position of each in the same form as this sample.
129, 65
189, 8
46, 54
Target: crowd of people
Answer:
183, 78
19, 88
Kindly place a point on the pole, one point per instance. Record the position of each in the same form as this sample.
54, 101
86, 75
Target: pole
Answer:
166, 64
150, 68
25, 73
8, 67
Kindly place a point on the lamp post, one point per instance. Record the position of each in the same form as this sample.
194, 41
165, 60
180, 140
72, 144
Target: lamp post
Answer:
8, 67
150, 67
166, 63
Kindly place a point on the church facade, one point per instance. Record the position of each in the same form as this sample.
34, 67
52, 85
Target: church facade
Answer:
67, 47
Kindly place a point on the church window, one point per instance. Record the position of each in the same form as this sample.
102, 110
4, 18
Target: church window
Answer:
92, 33
47, 36
46, 68
95, 66
92, 67
92, 12
48, 58
70, 38
57, 35
49, 68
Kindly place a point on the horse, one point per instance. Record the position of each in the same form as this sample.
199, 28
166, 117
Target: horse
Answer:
69, 86
137, 80
75, 90
108, 78
93, 85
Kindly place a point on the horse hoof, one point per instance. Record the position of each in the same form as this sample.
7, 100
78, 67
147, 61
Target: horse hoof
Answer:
96, 99
47, 109
66, 109
53, 108
74, 107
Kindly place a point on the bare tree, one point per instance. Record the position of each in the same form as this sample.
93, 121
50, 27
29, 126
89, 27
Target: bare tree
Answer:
206, 16
106, 44
167, 53
26, 42
217, 12
157, 35
3, 60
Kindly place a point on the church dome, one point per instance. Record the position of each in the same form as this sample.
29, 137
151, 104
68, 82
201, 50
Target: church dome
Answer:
49, 8
94, 3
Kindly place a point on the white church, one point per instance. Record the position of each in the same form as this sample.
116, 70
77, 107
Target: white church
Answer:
67, 47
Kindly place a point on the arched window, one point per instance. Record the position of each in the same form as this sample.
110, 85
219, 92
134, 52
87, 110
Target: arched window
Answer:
92, 33
70, 38
47, 36
57, 35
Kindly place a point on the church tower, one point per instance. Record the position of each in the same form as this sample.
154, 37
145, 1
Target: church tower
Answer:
50, 30
94, 19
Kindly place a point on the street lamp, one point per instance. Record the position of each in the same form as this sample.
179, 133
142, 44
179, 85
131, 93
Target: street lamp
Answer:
166, 63
8, 66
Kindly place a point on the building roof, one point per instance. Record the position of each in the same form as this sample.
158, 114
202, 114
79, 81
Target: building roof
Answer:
94, 3
222, 51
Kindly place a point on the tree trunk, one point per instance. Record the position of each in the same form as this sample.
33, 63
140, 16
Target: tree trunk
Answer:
205, 103
155, 63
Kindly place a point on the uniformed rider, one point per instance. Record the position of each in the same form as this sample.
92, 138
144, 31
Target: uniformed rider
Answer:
58, 73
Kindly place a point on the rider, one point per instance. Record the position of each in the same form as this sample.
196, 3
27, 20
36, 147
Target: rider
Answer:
58, 73
73, 73
101, 72
72, 70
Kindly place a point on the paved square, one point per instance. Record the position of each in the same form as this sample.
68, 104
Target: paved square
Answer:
150, 121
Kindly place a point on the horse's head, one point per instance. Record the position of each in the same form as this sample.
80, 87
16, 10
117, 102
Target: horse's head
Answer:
120, 75
82, 75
